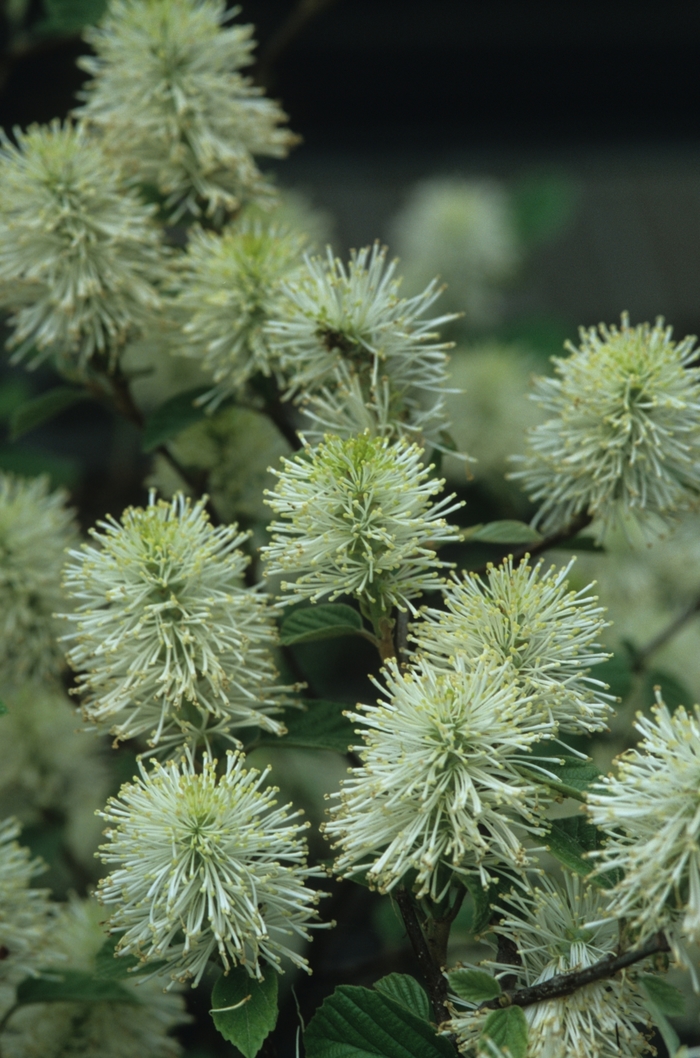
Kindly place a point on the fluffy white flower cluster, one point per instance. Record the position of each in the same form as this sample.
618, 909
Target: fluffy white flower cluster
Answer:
168, 641
441, 787
550, 928
172, 107
36, 527
141, 1024
531, 622
206, 865
358, 521
25, 913
624, 432
650, 812
80, 257
359, 356
229, 286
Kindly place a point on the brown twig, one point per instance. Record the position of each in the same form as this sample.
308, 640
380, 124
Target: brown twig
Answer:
642, 655
563, 536
432, 972
565, 984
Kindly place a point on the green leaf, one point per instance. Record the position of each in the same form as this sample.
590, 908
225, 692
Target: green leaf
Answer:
542, 207
360, 1023
659, 999
13, 393
112, 967
476, 986
245, 1010
667, 998
404, 989
324, 621
504, 532
573, 776
62, 471
616, 672
673, 692
482, 901
172, 418
3, 709
319, 725
73, 986
39, 410
570, 839
578, 543
508, 1030
68, 17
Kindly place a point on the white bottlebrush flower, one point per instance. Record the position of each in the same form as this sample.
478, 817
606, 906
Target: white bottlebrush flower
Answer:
36, 527
80, 256
206, 866
168, 641
344, 335
531, 621
26, 914
48, 767
358, 521
97, 1029
463, 230
624, 432
228, 288
440, 788
168, 97
550, 927
650, 811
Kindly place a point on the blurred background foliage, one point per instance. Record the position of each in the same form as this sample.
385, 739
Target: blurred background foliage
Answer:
544, 160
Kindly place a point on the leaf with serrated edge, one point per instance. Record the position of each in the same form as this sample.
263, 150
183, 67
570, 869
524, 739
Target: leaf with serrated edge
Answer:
668, 999
73, 986
508, 1030
324, 621
570, 839
244, 1010
360, 1023
405, 990
320, 725
475, 986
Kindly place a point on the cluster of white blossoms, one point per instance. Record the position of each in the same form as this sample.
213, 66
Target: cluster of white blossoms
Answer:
530, 621
357, 355
624, 433
441, 787
140, 1024
206, 865
358, 521
172, 107
25, 913
229, 286
169, 643
650, 813
35, 529
550, 927
80, 256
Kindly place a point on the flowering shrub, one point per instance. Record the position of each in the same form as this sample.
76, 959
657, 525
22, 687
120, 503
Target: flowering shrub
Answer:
223, 650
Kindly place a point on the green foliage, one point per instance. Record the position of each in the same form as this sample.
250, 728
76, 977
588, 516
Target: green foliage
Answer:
319, 724
323, 621
3, 709
405, 990
171, 418
40, 409
573, 776
617, 673
73, 986
245, 1010
476, 986
507, 1029
60, 470
570, 839
65, 18
13, 394
673, 691
112, 967
663, 999
507, 531
361, 1023
543, 206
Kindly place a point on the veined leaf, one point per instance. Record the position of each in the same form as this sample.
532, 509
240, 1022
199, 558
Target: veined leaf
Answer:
476, 986
405, 990
572, 776
659, 1001
244, 1010
323, 621
319, 725
569, 839
508, 1030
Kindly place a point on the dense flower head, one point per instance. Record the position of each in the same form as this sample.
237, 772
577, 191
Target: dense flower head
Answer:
357, 354
464, 230
228, 288
206, 865
358, 521
440, 788
624, 432
168, 641
172, 106
650, 811
80, 257
551, 929
26, 914
108, 1029
35, 529
530, 620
